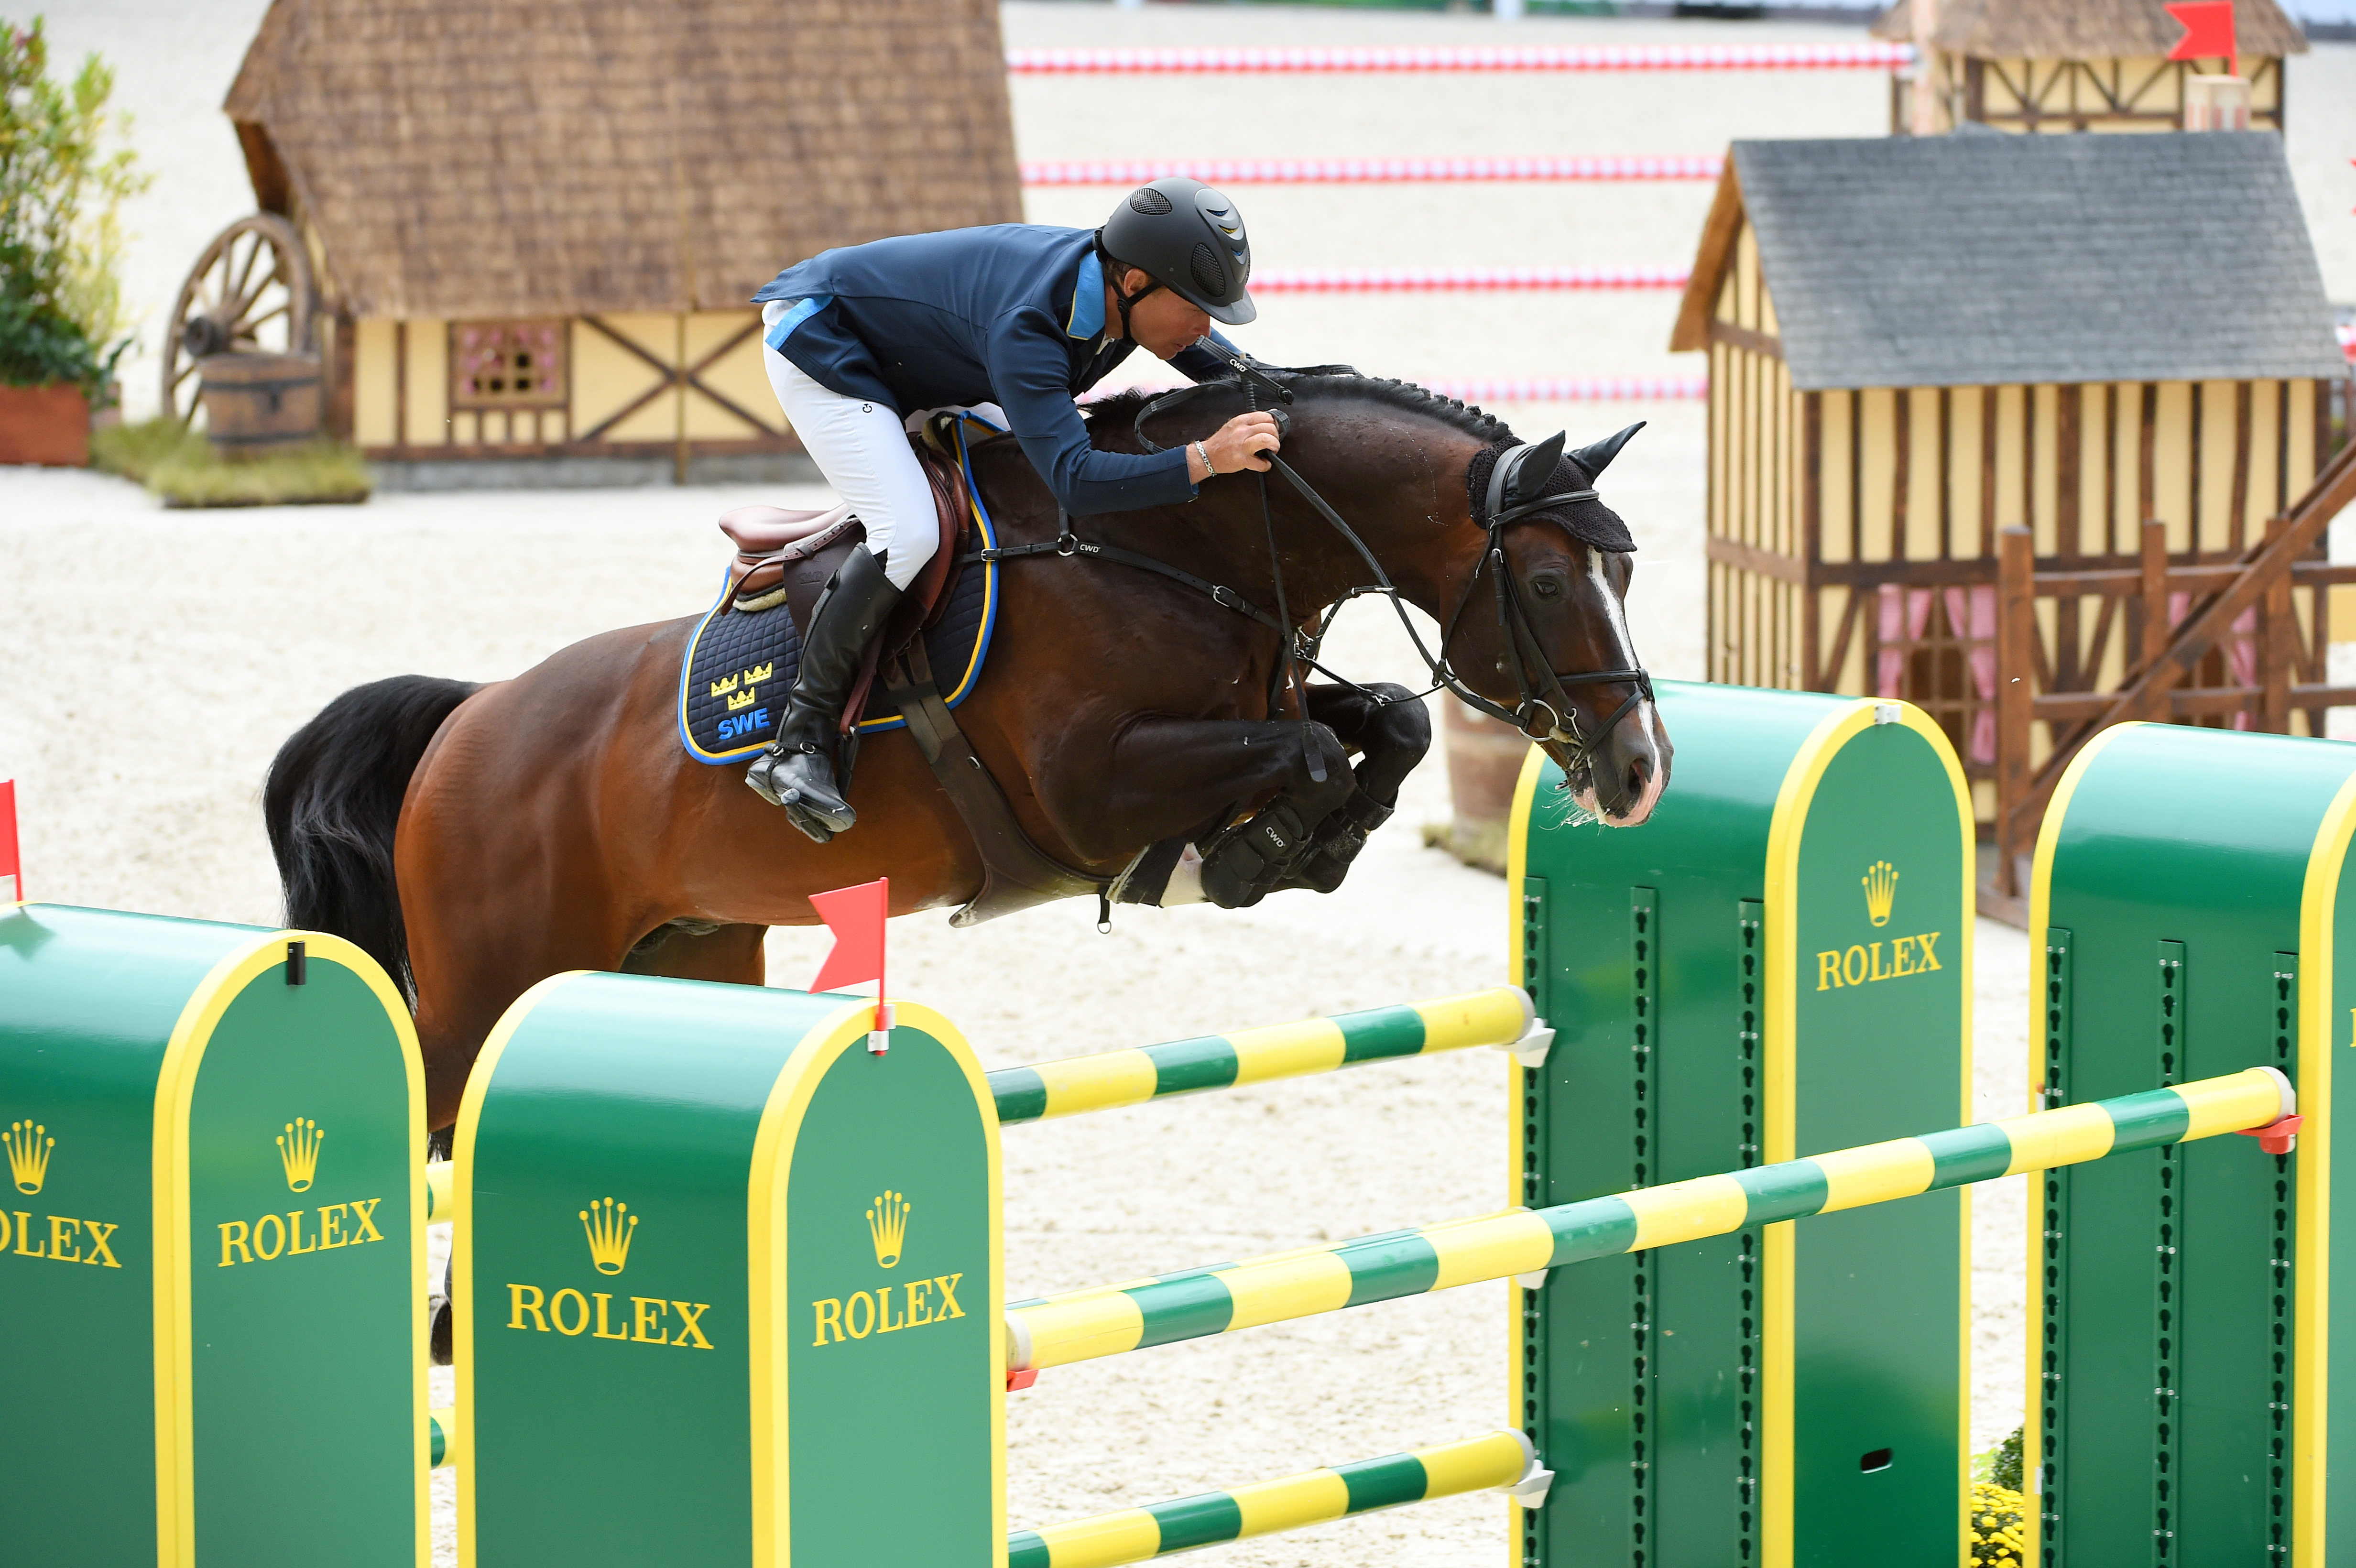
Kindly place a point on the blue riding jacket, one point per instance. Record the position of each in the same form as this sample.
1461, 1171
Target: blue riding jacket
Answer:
1012, 314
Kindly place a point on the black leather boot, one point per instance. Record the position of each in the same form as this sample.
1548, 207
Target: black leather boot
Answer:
797, 770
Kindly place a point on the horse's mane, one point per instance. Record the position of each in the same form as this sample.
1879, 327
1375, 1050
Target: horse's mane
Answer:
1112, 419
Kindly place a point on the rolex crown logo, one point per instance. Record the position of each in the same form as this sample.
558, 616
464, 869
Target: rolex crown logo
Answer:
28, 1154
745, 699
298, 1151
887, 1226
610, 1226
1880, 881
723, 687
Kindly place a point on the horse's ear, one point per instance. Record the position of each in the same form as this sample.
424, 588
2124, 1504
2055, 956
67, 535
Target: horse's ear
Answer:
1531, 474
1593, 460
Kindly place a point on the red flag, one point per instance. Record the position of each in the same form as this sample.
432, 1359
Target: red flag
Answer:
855, 915
11, 866
2208, 32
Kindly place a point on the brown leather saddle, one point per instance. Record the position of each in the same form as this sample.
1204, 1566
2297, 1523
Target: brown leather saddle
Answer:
791, 555
788, 557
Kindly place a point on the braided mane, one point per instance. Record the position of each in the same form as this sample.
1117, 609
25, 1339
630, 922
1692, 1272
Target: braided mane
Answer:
1111, 419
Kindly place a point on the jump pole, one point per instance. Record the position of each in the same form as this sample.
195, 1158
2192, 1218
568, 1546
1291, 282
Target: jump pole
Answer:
1498, 1459
1501, 1017
1111, 1320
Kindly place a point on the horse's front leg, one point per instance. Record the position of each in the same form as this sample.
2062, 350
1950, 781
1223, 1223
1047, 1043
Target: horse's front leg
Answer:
1391, 729
1177, 783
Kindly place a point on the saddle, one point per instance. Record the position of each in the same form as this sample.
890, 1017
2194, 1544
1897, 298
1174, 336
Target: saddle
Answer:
788, 557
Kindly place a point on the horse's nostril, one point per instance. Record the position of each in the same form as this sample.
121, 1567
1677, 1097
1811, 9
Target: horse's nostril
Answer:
1640, 775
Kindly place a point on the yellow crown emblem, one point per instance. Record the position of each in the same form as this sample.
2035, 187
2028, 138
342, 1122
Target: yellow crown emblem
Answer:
723, 687
28, 1154
888, 1225
745, 699
759, 672
1880, 881
298, 1151
610, 1226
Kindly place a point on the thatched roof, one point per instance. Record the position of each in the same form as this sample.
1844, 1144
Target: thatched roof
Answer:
1900, 260
2082, 29
495, 157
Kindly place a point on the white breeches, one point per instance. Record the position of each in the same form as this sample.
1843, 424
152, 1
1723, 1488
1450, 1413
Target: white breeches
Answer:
862, 449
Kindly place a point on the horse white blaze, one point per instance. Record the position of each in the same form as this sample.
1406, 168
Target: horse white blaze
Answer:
1625, 647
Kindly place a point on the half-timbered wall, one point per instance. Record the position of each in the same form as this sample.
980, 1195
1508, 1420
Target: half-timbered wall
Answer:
1757, 610
1854, 533
2123, 94
637, 383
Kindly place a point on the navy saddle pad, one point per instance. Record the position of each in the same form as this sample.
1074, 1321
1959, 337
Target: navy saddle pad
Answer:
739, 669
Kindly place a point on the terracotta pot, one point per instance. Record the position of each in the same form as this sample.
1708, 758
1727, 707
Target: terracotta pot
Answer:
1484, 763
49, 425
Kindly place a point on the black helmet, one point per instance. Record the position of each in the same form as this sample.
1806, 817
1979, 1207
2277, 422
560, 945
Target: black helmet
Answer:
1190, 238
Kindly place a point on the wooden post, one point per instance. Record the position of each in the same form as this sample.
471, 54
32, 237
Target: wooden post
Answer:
2155, 592
2015, 692
2278, 630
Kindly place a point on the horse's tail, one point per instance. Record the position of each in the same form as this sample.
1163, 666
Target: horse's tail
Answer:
332, 800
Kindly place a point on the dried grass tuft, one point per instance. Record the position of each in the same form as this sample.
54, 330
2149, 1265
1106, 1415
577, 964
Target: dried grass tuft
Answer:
181, 466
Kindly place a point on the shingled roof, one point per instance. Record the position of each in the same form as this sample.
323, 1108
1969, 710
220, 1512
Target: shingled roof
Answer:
495, 157
1982, 259
2082, 29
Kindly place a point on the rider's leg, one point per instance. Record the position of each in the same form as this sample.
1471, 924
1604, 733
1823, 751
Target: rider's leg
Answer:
863, 452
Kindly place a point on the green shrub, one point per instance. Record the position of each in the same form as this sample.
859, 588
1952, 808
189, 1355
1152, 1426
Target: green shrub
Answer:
2001, 1466
60, 233
181, 466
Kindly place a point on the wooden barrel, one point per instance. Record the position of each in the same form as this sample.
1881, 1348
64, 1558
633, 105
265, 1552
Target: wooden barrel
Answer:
257, 403
1484, 762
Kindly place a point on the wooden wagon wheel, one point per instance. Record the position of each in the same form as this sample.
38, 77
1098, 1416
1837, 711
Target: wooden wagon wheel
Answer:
249, 292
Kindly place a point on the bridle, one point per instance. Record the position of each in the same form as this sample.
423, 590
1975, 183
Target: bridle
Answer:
1519, 471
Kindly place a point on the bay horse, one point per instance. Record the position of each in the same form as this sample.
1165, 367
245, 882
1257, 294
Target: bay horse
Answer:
477, 839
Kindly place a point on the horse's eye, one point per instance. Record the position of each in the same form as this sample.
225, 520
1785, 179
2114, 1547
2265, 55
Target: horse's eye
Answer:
1546, 587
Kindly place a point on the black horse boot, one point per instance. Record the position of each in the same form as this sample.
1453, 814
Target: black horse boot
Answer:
797, 770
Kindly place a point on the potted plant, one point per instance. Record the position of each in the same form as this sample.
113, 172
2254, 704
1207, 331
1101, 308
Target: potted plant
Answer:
60, 249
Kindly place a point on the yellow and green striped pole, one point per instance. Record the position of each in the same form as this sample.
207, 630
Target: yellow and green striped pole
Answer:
1289, 1503
1112, 1319
1499, 1016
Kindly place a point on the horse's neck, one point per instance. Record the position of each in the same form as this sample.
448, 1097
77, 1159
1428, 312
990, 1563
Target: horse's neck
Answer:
1223, 533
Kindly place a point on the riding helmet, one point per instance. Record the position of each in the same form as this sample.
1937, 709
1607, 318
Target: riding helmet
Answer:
1190, 238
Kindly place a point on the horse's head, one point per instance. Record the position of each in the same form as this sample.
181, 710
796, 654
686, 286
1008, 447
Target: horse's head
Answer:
1526, 572
1539, 628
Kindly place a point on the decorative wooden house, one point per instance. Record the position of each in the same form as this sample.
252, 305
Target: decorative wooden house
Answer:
536, 227
2071, 65
2119, 344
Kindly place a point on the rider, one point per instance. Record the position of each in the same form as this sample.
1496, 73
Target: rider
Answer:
862, 342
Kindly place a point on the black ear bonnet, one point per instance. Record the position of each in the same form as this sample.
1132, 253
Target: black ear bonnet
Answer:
1510, 475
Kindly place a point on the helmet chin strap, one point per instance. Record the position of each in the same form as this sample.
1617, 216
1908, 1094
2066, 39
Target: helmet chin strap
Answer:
1124, 301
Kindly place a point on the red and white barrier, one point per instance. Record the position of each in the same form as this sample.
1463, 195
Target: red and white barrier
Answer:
1370, 171
1559, 58
1574, 389
1460, 280
1517, 390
